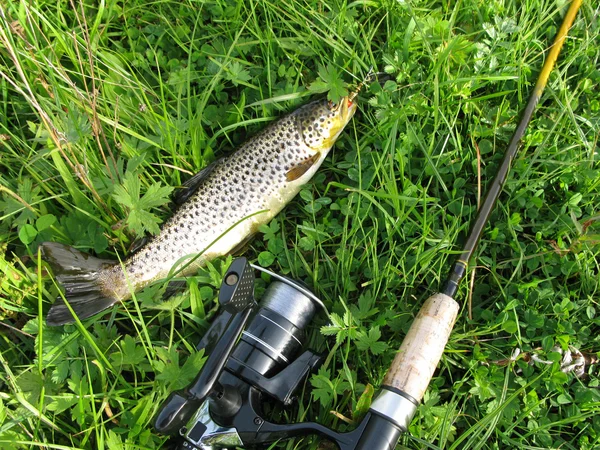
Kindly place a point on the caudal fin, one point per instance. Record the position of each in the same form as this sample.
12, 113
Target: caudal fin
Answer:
80, 275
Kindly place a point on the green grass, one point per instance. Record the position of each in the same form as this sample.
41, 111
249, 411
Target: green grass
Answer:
94, 94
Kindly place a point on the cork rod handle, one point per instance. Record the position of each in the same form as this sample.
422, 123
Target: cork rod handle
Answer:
422, 348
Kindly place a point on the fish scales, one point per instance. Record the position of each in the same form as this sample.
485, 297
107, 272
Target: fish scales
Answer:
251, 180
241, 192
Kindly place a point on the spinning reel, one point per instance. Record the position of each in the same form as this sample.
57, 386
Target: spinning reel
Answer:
222, 407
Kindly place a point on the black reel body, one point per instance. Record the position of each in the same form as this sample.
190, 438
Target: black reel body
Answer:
248, 365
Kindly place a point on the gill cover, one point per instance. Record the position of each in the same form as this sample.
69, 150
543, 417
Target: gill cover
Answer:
322, 121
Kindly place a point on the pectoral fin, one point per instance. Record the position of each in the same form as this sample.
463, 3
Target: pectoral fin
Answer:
300, 169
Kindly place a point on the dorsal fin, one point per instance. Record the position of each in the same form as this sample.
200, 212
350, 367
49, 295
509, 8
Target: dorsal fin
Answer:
188, 188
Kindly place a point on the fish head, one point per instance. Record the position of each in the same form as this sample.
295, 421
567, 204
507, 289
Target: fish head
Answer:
322, 122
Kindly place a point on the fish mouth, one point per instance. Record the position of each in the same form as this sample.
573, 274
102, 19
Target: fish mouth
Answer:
347, 108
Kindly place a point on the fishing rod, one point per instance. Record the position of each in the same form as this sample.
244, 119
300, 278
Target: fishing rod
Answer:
254, 349
412, 369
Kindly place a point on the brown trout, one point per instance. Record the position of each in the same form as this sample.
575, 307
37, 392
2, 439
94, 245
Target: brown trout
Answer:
237, 193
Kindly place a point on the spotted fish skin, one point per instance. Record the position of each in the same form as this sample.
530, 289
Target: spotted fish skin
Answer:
240, 193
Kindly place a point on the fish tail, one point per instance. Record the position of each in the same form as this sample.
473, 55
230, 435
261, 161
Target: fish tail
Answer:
84, 279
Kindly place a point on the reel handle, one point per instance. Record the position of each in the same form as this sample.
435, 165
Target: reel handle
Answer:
422, 348
236, 297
